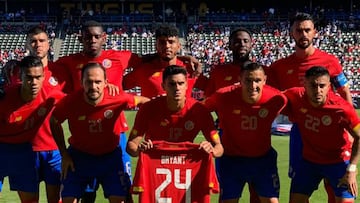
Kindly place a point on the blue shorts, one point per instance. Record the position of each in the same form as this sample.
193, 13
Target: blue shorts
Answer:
105, 169
48, 165
309, 176
18, 163
1, 184
295, 150
260, 172
93, 185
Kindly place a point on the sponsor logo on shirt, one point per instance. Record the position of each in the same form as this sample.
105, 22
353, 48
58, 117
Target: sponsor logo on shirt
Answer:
164, 123
236, 111
106, 63
156, 74
80, 66
228, 78
19, 118
81, 118
290, 71
303, 110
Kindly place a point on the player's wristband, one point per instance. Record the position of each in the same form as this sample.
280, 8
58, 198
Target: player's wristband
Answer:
351, 168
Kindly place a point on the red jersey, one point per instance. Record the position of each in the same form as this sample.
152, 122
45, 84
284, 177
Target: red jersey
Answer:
19, 121
68, 70
323, 129
221, 76
246, 127
176, 172
290, 71
158, 123
94, 129
148, 76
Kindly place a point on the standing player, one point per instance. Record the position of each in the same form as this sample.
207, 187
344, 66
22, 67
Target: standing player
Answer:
27, 107
222, 75
173, 117
93, 117
289, 72
148, 75
48, 158
246, 113
324, 120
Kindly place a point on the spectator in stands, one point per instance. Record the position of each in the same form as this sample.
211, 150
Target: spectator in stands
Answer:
289, 72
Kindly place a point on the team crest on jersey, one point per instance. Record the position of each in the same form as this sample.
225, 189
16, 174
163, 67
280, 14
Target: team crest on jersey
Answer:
42, 111
106, 63
263, 113
53, 81
326, 120
108, 114
189, 125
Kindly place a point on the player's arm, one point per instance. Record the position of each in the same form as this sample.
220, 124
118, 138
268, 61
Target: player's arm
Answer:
214, 147
345, 93
58, 134
136, 143
350, 176
140, 100
195, 64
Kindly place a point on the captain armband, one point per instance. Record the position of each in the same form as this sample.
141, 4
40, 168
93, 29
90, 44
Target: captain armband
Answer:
339, 81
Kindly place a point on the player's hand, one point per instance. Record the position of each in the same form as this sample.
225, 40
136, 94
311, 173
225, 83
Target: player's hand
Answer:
349, 180
66, 163
145, 145
113, 89
206, 146
197, 67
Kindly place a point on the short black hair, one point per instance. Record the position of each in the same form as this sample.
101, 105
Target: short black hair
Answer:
91, 65
317, 71
301, 16
240, 29
166, 30
251, 66
90, 23
29, 62
173, 70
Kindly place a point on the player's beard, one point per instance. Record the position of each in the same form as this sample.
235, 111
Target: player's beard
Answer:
242, 57
303, 45
93, 97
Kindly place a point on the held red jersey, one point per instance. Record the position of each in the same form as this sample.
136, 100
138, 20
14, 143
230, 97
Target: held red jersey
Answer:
290, 72
175, 172
148, 76
323, 130
246, 127
94, 129
19, 121
158, 123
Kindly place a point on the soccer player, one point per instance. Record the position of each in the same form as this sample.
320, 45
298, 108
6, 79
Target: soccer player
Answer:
27, 107
324, 120
93, 116
48, 158
222, 75
246, 113
173, 117
148, 75
289, 72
